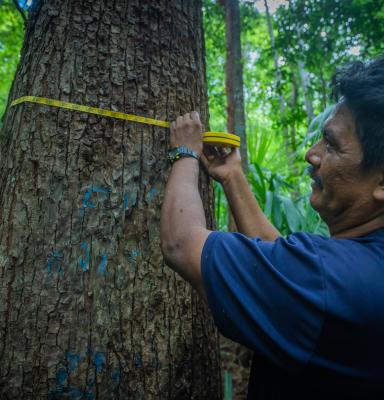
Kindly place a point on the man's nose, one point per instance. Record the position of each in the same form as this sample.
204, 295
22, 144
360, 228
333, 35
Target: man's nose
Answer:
312, 156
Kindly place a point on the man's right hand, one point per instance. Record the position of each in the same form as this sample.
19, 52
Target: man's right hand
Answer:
222, 167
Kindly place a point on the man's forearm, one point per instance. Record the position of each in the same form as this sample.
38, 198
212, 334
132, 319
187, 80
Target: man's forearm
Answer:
250, 219
182, 213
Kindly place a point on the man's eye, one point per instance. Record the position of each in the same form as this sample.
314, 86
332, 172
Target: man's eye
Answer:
328, 145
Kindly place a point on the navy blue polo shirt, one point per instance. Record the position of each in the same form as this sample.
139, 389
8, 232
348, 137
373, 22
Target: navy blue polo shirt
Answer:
311, 308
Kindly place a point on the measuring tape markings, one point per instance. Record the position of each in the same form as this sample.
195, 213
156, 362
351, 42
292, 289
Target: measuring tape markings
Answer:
208, 137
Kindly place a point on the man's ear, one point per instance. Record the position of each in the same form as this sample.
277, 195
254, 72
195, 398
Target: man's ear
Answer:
378, 193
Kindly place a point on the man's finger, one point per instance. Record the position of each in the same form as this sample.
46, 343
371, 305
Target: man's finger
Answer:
186, 117
236, 151
195, 116
179, 120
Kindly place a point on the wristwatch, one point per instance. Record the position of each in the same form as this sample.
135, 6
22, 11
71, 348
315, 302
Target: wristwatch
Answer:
181, 151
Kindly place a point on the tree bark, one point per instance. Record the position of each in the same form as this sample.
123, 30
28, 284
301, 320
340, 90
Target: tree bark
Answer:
87, 307
234, 76
234, 83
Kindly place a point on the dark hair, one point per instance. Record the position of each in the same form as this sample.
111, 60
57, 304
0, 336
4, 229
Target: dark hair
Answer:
361, 87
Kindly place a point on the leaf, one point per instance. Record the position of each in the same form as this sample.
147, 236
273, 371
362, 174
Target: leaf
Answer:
268, 203
292, 215
277, 212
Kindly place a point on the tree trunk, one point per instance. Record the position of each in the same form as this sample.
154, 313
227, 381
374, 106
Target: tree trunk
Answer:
236, 357
87, 307
234, 76
234, 84
304, 76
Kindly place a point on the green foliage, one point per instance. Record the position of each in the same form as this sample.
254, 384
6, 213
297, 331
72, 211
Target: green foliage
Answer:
313, 38
11, 38
274, 196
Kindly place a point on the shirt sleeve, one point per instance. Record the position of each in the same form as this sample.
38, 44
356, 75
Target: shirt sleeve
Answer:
269, 296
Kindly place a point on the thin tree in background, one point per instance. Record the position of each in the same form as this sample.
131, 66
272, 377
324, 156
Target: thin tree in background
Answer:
304, 77
241, 356
305, 83
87, 307
234, 83
234, 76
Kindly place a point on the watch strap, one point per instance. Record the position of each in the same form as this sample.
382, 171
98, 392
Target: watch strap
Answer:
181, 151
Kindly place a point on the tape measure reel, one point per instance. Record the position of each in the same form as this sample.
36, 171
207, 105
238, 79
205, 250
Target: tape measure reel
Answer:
220, 139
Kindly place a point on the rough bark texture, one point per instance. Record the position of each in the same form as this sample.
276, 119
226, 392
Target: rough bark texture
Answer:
87, 307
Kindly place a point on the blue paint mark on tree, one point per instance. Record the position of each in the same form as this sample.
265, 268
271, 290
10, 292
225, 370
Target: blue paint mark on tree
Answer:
85, 258
132, 256
62, 391
138, 360
73, 360
61, 376
86, 202
151, 195
129, 199
54, 260
126, 201
99, 361
103, 265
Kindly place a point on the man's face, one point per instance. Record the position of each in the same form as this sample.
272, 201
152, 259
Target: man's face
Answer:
339, 187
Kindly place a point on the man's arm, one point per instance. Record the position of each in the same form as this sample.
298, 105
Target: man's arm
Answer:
183, 229
250, 219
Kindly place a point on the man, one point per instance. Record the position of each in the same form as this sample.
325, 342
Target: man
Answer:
311, 307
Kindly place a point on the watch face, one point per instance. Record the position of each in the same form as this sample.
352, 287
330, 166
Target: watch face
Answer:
172, 154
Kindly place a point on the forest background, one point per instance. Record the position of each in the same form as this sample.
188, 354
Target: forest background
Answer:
286, 75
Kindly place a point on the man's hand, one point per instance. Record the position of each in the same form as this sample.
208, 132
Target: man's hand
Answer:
247, 213
222, 167
186, 131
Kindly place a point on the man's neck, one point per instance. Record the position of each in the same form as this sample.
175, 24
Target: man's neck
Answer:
350, 230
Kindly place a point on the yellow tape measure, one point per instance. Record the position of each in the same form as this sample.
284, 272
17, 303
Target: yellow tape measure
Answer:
221, 139
210, 138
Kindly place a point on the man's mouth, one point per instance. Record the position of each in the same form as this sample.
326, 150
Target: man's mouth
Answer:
316, 179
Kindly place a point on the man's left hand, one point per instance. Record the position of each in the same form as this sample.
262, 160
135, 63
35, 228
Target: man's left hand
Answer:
186, 131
